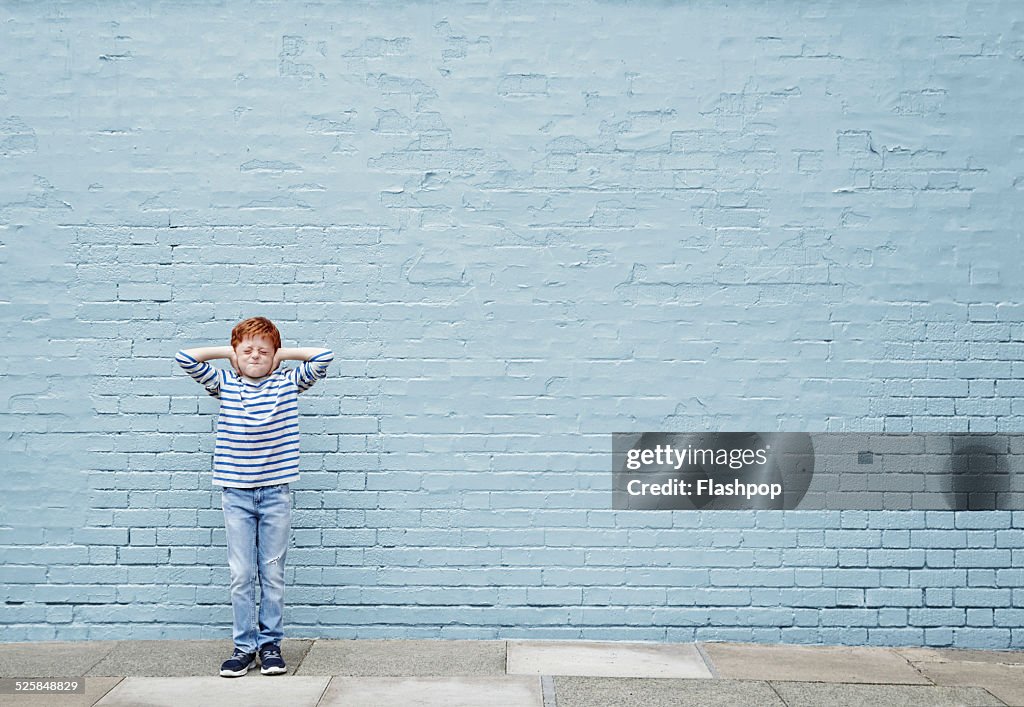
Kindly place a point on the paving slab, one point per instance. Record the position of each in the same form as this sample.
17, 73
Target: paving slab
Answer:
574, 691
52, 659
181, 658
957, 655
174, 692
404, 658
95, 688
504, 691
853, 664
815, 694
1004, 681
606, 659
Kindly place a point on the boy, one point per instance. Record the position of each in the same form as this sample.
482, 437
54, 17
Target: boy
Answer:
255, 460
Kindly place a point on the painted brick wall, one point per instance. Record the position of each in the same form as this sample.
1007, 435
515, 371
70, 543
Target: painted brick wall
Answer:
521, 226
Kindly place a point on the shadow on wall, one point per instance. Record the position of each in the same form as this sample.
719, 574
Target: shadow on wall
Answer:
979, 474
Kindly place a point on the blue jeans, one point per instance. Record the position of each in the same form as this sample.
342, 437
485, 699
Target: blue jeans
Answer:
258, 525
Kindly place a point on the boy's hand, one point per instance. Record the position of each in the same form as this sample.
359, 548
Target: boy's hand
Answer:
234, 362
277, 360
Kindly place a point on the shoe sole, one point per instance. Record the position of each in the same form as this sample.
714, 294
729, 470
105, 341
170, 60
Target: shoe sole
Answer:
237, 673
273, 671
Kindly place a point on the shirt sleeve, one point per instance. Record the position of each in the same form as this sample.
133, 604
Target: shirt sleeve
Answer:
309, 372
202, 373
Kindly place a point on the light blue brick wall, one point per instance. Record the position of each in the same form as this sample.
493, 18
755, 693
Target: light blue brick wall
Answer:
521, 227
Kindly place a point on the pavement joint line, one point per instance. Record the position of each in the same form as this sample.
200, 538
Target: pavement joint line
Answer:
991, 695
915, 667
771, 686
110, 689
113, 647
327, 687
708, 663
303, 657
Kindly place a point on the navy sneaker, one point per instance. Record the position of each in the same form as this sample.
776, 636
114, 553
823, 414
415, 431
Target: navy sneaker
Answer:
238, 664
271, 662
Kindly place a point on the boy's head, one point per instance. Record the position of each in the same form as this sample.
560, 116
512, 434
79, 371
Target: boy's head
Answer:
255, 341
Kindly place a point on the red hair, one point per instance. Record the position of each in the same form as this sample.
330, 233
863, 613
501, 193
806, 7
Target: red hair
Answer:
255, 326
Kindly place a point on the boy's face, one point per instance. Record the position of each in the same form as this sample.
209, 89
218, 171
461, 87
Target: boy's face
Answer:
255, 356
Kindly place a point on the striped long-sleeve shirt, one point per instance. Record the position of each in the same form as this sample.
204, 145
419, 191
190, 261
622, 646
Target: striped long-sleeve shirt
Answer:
258, 424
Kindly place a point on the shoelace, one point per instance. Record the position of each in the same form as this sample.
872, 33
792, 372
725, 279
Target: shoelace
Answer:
271, 653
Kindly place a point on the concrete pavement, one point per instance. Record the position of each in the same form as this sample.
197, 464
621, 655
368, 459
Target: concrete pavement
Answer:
518, 673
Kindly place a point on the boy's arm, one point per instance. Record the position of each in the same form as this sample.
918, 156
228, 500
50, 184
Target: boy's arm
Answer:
193, 362
313, 369
206, 353
298, 354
